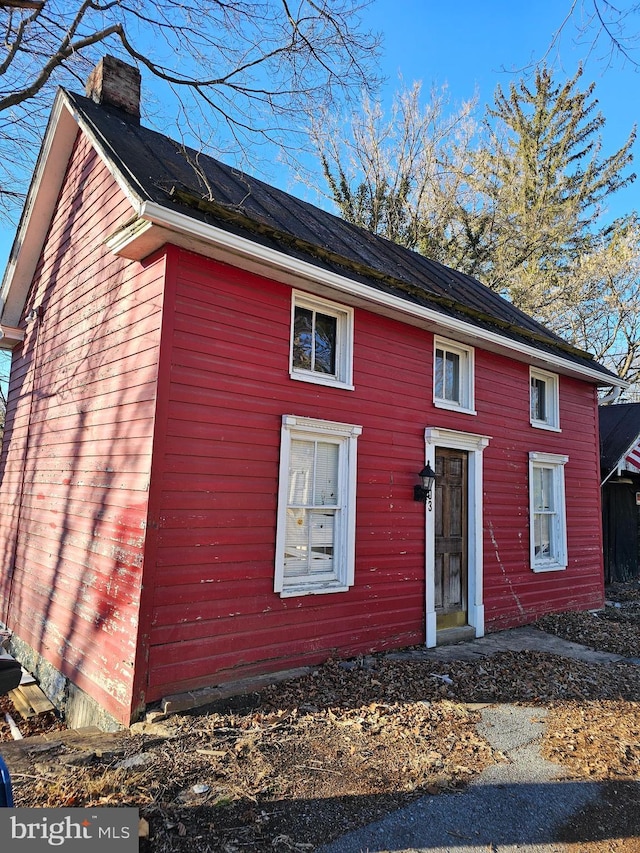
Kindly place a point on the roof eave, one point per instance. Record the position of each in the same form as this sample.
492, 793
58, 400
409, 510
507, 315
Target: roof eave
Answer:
158, 225
154, 224
622, 464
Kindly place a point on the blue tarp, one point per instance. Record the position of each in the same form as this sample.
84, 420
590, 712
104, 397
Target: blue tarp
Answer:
6, 795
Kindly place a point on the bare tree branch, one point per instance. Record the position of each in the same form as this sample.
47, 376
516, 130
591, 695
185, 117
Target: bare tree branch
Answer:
248, 69
66, 50
516, 201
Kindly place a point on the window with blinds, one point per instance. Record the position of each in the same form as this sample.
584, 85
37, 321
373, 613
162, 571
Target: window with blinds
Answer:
316, 506
544, 513
313, 508
547, 512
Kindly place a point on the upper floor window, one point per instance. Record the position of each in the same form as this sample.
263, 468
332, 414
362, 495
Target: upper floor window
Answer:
453, 365
544, 402
321, 341
547, 514
315, 540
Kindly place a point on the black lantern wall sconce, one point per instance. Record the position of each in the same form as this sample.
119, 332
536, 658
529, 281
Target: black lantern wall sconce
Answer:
423, 492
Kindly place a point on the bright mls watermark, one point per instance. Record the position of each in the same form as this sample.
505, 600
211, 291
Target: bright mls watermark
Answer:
34, 830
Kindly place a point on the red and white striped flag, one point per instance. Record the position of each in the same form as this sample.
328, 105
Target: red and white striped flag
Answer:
633, 456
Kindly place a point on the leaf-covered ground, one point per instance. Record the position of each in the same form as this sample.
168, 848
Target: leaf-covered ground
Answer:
309, 759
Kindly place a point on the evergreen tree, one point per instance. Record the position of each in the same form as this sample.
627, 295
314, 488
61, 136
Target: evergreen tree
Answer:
542, 182
521, 206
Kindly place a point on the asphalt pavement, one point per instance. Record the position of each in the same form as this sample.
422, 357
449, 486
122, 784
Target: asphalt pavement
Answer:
513, 806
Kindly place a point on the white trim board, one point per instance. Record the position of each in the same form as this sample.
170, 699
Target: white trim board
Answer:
474, 444
257, 258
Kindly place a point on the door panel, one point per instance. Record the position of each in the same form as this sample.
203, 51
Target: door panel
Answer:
438, 589
451, 496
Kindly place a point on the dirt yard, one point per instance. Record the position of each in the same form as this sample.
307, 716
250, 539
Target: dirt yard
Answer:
307, 760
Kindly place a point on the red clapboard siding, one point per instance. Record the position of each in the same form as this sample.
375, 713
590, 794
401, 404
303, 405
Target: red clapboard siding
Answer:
82, 398
215, 615
514, 594
229, 411
306, 652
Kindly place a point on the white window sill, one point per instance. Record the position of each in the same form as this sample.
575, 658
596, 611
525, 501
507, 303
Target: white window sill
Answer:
453, 407
290, 591
543, 425
550, 567
320, 379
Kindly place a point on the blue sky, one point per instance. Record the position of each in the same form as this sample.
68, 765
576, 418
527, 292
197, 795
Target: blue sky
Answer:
473, 46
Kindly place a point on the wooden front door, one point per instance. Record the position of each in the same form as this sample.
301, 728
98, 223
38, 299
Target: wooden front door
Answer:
451, 498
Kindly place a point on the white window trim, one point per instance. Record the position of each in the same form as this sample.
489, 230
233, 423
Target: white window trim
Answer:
556, 462
475, 446
344, 342
467, 376
552, 400
344, 548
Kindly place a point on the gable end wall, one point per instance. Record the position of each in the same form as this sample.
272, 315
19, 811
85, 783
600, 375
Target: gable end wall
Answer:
75, 465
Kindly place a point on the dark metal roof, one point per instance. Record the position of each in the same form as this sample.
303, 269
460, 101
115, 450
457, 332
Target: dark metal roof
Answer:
164, 171
619, 429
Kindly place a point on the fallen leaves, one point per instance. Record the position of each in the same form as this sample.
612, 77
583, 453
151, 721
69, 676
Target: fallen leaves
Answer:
349, 742
597, 740
613, 629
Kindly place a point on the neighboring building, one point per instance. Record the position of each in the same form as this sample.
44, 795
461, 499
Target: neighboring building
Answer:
220, 401
620, 464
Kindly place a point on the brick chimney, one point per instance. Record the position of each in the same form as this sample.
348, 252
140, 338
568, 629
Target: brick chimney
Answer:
114, 83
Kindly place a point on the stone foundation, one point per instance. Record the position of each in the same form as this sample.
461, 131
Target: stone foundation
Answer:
77, 707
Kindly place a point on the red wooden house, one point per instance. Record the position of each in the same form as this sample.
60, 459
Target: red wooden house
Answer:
220, 401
